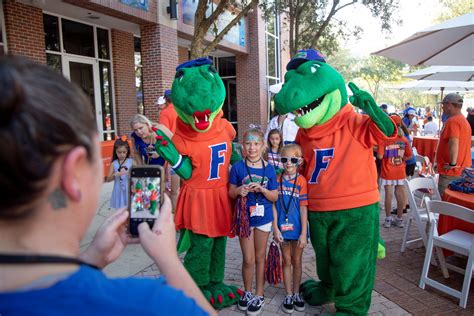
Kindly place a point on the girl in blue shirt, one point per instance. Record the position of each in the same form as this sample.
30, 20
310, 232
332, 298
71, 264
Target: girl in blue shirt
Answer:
255, 179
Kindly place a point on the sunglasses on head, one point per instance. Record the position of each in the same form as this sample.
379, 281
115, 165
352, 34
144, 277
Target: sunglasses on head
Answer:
293, 160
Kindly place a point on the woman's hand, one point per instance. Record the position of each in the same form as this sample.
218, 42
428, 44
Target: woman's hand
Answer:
160, 241
109, 241
302, 241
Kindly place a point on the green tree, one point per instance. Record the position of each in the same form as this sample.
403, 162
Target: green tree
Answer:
206, 18
314, 23
454, 8
376, 70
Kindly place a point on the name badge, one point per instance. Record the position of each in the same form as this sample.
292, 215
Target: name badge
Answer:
287, 227
257, 210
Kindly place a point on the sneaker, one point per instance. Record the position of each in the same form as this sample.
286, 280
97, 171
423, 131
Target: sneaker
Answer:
287, 305
298, 302
388, 222
255, 305
244, 301
399, 222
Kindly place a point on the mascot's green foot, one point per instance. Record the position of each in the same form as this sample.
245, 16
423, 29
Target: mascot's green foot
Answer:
222, 295
314, 293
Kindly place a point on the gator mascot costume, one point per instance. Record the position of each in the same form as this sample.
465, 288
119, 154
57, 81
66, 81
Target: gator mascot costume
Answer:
343, 210
200, 152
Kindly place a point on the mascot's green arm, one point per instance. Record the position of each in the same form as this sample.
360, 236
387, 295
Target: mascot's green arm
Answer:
165, 148
236, 156
364, 101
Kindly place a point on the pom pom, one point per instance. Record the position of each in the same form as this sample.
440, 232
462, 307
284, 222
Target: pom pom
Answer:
241, 222
273, 269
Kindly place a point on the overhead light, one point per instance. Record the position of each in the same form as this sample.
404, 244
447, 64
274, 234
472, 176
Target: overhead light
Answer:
92, 16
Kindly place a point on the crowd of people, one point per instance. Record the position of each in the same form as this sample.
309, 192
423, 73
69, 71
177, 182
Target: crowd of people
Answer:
50, 197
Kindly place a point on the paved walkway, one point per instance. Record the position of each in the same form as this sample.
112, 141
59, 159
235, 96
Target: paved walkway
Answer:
396, 290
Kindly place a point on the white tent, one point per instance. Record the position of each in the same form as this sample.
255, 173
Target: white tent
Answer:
446, 73
450, 43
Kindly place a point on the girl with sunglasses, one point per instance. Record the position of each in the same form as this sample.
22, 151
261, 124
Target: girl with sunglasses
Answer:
290, 218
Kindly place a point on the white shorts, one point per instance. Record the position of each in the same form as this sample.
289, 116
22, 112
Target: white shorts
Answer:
391, 182
266, 228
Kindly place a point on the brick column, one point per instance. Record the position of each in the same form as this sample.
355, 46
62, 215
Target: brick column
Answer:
251, 80
159, 60
25, 30
123, 53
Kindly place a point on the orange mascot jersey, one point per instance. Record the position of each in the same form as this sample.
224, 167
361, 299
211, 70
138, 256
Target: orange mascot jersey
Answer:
339, 161
203, 203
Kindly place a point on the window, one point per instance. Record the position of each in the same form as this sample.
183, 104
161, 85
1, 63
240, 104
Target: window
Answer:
2, 31
272, 37
138, 75
78, 38
226, 69
83, 51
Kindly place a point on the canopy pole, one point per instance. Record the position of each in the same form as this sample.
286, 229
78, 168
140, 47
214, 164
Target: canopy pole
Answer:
440, 110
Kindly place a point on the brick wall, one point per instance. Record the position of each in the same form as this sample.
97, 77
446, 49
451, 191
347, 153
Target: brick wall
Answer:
25, 31
251, 81
159, 60
183, 55
124, 79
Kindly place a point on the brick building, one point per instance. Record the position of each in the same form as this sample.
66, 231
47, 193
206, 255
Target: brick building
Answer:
123, 54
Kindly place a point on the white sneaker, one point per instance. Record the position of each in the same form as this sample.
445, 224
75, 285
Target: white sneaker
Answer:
399, 222
388, 222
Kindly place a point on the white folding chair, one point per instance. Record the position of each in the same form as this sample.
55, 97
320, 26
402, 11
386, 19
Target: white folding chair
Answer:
457, 241
417, 213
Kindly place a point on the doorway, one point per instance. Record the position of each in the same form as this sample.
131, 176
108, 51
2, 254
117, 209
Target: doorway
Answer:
84, 72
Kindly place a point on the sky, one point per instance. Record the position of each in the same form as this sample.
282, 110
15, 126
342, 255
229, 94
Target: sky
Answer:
415, 15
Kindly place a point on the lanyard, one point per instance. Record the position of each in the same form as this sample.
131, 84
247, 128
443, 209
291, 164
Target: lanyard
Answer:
286, 208
43, 259
250, 175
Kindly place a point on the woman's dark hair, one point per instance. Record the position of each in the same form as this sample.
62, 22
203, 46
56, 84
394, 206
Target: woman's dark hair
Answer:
42, 116
119, 142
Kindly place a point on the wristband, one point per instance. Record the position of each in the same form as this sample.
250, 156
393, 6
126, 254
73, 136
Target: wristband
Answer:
178, 163
452, 165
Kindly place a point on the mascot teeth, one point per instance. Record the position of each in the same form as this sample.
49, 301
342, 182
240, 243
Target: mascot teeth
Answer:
308, 108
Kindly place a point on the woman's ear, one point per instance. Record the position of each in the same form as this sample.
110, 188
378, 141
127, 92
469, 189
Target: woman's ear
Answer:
74, 165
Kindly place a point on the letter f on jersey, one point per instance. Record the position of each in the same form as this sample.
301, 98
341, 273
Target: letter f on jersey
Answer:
322, 159
217, 158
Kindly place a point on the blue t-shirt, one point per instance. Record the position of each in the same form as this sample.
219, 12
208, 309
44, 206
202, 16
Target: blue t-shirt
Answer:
239, 176
141, 147
285, 189
90, 292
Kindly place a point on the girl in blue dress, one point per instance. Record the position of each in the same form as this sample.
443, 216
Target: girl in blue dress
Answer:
118, 172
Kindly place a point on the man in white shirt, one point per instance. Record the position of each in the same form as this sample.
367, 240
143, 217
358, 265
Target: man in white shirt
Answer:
431, 128
286, 124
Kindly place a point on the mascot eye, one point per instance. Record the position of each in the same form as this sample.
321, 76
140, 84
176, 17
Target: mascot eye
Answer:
179, 74
314, 69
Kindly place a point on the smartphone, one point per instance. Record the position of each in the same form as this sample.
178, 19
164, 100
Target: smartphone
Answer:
146, 187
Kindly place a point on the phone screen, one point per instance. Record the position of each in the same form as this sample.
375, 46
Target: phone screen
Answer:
145, 196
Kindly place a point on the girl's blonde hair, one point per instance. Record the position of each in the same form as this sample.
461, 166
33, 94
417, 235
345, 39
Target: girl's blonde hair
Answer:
293, 147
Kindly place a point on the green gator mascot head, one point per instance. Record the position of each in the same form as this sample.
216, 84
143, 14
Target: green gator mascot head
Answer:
313, 90
198, 93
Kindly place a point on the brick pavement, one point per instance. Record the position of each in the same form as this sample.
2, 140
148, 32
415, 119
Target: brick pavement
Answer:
396, 289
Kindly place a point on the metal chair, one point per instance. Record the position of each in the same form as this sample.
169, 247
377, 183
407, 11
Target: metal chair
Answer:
417, 213
457, 241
